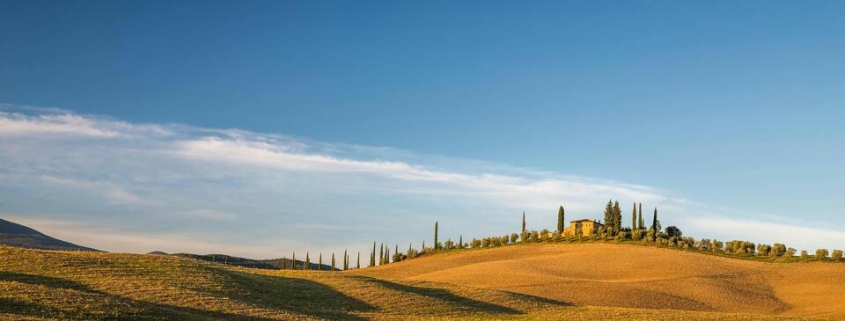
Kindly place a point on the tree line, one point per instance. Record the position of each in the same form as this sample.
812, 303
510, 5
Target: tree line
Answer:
611, 229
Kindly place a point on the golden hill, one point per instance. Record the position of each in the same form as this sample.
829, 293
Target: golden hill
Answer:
531, 282
615, 275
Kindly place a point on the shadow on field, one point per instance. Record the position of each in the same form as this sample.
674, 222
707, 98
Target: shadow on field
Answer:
539, 299
273, 293
445, 295
43, 280
297, 295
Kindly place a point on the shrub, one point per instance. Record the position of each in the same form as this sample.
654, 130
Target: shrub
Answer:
837, 255
821, 254
717, 246
790, 252
505, 239
777, 250
804, 255
763, 250
703, 245
674, 231
514, 237
476, 243
535, 236
621, 236
449, 244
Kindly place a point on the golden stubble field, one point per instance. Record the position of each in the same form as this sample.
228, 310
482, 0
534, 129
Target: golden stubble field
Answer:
631, 276
524, 282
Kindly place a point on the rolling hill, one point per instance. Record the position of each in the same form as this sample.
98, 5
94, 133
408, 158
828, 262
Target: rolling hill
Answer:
523, 282
13, 234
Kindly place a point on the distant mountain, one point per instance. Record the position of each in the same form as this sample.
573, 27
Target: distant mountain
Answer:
13, 234
272, 264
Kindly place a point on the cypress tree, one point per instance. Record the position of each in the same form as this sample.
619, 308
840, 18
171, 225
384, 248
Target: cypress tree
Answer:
423, 246
373, 255
293, 261
358, 265
284, 263
642, 223
560, 220
410, 251
654, 224
381, 253
460, 241
320, 262
307, 261
608, 216
396, 252
345, 261
634, 218
617, 218
523, 222
436, 245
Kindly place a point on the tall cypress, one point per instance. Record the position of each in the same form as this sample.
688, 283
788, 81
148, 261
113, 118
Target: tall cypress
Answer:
320, 262
523, 222
608, 216
461, 241
293, 261
358, 265
381, 253
396, 252
307, 261
642, 223
373, 255
436, 245
334, 267
634, 218
617, 218
654, 223
345, 261
409, 250
560, 219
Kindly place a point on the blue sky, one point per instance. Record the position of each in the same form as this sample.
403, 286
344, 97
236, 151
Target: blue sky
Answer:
729, 110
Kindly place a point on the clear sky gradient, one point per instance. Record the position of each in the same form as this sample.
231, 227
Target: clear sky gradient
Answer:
734, 105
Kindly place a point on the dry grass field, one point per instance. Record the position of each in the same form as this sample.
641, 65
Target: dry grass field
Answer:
531, 282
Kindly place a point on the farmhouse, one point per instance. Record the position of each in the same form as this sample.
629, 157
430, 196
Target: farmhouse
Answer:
587, 227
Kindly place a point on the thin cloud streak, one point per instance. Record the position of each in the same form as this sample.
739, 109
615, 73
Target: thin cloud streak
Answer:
240, 190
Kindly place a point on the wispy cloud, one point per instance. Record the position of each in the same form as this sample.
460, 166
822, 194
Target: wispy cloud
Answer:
240, 191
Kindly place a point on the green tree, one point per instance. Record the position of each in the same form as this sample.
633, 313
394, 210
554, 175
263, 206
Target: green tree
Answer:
654, 224
436, 244
381, 253
345, 261
293, 261
608, 215
640, 214
634, 219
523, 222
358, 265
320, 262
460, 241
373, 255
307, 261
617, 218
560, 215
